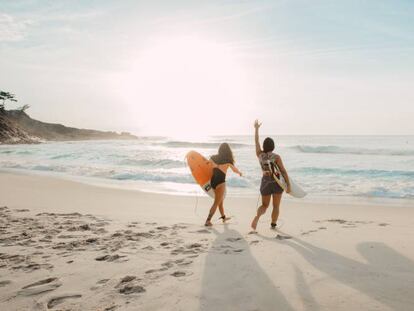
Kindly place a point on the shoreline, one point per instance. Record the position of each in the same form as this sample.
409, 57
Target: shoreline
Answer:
83, 247
347, 169
145, 187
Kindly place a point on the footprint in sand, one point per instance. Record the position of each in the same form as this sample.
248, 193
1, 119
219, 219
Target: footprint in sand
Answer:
183, 262
283, 237
194, 246
126, 285
131, 289
147, 235
202, 231
32, 266
179, 226
58, 300
109, 258
103, 281
4, 283
162, 228
156, 270
178, 274
126, 279
168, 264
308, 232
148, 248
100, 284
39, 287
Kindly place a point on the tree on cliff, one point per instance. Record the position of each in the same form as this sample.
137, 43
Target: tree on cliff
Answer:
6, 96
23, 108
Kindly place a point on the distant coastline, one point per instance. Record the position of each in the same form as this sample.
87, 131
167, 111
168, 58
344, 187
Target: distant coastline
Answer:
17, 127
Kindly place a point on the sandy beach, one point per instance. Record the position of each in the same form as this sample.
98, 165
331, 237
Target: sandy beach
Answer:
70, 246
124, 123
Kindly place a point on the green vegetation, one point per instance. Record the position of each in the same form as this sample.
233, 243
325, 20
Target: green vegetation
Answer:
4, 96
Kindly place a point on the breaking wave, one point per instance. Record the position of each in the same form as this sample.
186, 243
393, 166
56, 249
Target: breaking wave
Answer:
356, 151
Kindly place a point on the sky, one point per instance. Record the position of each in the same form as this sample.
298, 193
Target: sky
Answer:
200, 68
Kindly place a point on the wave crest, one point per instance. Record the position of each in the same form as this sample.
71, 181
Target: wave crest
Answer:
348, 150
366, 173
164, 163
210, 145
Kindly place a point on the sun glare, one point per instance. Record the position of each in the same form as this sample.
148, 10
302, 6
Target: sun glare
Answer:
184, 84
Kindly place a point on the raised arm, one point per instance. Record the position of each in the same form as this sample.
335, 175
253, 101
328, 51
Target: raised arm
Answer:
256, 137
235, 169
283, 171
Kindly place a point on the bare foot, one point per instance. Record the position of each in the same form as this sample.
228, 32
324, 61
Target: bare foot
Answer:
208, 223
226, 218
254, 223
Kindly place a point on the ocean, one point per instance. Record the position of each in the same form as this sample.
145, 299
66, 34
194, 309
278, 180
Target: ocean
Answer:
325, 166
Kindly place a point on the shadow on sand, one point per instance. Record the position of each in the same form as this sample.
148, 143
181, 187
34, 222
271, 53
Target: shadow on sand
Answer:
233, 280
387, 276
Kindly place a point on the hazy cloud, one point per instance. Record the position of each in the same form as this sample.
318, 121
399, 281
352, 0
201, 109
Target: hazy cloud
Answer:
12, 29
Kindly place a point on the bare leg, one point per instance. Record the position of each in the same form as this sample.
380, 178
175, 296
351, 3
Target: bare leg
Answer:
261, 210
221, 209
218, 198
276, 203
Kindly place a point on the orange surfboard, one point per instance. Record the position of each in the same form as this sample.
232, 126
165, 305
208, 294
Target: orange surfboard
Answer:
202, 171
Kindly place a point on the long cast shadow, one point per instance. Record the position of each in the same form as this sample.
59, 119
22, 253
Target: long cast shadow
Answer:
387, 277
234, 280
304, 291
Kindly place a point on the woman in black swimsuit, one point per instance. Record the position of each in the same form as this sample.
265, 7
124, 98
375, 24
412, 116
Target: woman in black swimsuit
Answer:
221, 162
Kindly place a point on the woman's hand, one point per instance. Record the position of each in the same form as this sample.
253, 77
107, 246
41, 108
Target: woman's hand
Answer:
288, 189
257, 124
235, 169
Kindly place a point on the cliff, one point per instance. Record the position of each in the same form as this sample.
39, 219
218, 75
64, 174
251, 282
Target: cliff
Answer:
18, 127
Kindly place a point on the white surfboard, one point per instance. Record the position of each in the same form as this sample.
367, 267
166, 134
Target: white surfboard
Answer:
210, 191
295, 190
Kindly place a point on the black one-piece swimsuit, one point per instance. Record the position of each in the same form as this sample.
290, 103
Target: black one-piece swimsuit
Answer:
218, 178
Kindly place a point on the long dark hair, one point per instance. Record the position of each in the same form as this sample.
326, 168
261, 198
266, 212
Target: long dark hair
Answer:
224, 155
